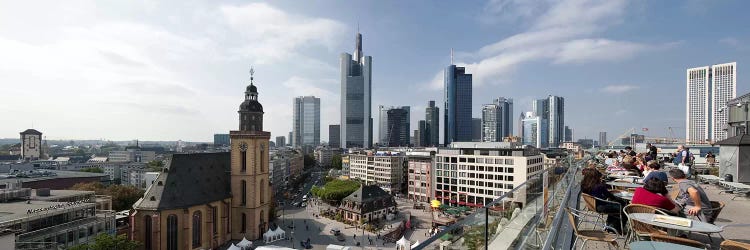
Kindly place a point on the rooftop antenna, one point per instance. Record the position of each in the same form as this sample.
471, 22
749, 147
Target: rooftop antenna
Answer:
452, 56
252, 72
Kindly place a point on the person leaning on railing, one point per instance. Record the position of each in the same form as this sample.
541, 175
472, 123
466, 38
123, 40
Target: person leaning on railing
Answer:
654, 193
593, 185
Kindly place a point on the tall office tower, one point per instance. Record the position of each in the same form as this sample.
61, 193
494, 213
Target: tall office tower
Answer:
534, 130
497, 120
603, 138
356, 100
708, 90
397, 126
384, 127
420, 134
476, 129
568, 134
553, 110
280, 141
334, 131
432, 117
457, 96
291, 139
306, 120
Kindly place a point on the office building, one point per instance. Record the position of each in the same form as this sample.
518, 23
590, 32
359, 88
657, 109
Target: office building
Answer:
419, 183
709, 88
356, 100
476, 129
334, 135
603, 138
132, 154
420, 134
738, 120
291, 139
324, 155
497, 121
552, 109
458, 96
31, 144
280, 141
475, 173
432, 119
400, 121
306, 127
505, 117
568, 134
221, 139
385, 169
534, 131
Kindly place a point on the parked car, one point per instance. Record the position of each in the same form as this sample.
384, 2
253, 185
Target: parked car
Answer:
340, 237
336, 231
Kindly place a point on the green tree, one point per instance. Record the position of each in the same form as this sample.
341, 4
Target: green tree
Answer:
109, 242
336, 162
123, 196
335, 190
309, 161
93, 170
156, 165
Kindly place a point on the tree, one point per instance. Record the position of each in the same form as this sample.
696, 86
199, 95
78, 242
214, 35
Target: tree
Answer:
336, 162
309, 161
105, 241
123, 196
93, 170
335, 190
156, 165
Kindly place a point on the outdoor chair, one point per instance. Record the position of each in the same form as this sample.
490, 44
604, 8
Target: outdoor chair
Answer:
716, 207
677, 240
591, 206
734, 245
594, 235
639, 229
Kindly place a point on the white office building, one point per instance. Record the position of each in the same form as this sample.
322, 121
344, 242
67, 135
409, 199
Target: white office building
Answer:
383, 168
475, 173
709, 88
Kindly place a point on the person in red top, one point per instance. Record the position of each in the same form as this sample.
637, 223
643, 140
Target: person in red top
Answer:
654, 193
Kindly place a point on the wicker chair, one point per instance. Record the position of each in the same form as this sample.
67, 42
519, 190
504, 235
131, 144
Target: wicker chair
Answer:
639, 229
591, 206
734, 245
677, 240
587, 235
711, 217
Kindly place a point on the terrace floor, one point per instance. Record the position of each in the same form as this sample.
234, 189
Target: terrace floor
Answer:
735, 216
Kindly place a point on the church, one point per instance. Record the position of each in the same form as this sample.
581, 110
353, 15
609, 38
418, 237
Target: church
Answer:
203, 200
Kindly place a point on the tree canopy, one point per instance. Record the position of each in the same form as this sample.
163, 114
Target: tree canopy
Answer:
336, 162
105, 241
335, 190
93, 170
123, 196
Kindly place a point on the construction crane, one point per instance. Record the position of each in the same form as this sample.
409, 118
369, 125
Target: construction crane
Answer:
624, 135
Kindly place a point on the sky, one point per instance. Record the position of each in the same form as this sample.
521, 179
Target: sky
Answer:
177, 70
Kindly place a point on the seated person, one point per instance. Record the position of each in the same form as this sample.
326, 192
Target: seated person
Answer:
654, 193
691, 196
593, 185
654, 173
630, 167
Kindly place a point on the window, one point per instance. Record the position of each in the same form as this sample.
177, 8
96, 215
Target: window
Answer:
243, 186
243, 160
197, 229
243, 225
214, 220
262, 190
148, 232
172, 243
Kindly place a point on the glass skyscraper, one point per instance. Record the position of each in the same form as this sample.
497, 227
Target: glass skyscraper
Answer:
552, 109
385, 125
457, 96
356, 86
533, 130
497, 120
432, 119
306, 127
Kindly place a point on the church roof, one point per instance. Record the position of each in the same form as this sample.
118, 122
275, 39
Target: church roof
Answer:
31, 131
189, 180
251, 105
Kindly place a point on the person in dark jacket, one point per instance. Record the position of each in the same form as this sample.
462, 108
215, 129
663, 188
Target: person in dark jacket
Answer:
593, 185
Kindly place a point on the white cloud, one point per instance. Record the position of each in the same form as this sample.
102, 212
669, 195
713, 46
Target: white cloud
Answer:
619, 89
560, 32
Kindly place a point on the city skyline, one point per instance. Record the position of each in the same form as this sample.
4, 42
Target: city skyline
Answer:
164, 77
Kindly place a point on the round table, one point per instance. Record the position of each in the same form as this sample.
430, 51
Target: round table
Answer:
625, 184
697, 226
653, 245
624, 195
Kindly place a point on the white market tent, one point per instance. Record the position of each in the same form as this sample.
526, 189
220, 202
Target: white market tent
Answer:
233, 247
274, 235
245, 244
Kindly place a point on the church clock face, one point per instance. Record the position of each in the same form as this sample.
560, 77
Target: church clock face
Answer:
243, 146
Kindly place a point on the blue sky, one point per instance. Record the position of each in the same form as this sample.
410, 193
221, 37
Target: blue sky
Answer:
174, 70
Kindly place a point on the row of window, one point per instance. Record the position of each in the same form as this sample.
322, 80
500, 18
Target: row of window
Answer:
474, 168
498, 161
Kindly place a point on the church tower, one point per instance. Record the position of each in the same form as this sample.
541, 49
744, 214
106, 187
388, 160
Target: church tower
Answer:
251, 191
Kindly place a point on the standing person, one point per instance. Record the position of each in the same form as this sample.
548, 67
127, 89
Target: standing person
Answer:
691, 196
652, 151
711, 158
684, 157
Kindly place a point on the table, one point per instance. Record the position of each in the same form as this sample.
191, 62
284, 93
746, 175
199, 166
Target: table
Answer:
698, 226
624, 195
625, 184
739, 189
653, 245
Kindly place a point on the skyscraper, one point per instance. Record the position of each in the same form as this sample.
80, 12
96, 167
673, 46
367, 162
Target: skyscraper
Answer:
497, 121
397, 124
306, 128
534, 130
334, 132
280, 141
356, 86
568, 134
291, 139
421, 134
708, 90
476, 129
384, 127
553, 110
432, 119
457, 96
